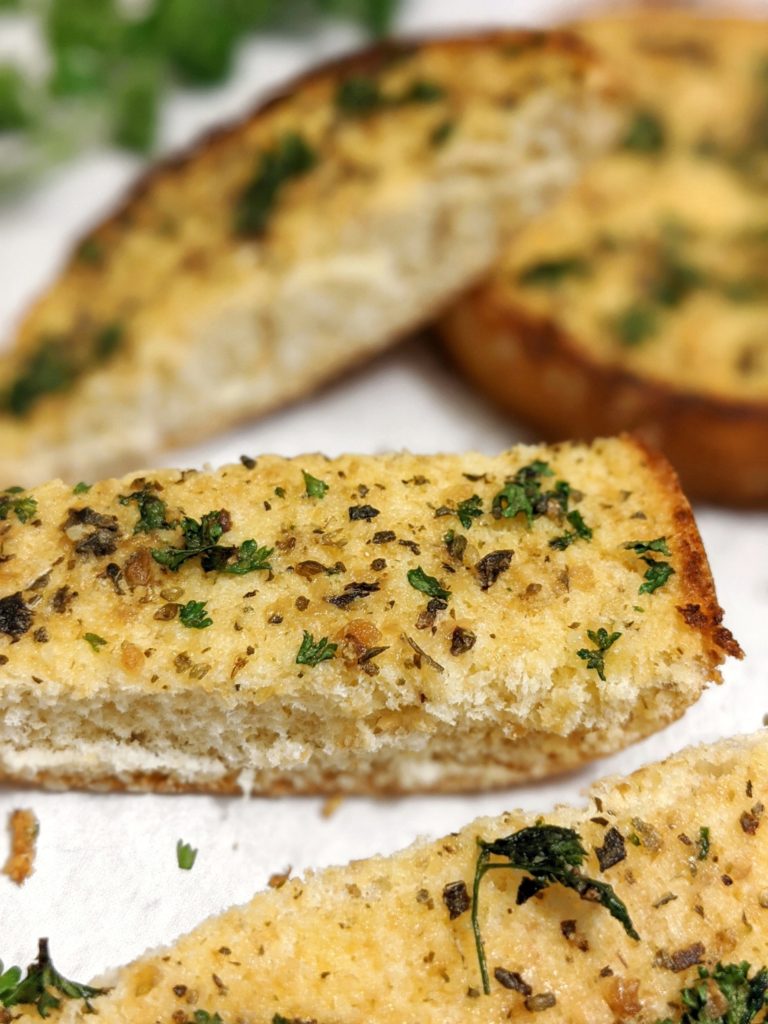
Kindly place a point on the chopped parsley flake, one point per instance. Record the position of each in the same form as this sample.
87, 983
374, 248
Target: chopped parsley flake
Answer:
95, 641
744, 997
314, 488
635, 324
419, 580
249, 557
703, 843
42, 986
655, 576
469, 509
152, 510
642, 547
311, 653
361, 95
201, 539
442, 133
56, 364
523, 494
549, 855
289, 158
645, 133
595, 659
81, 488
14, 501
193, 615
580, 531
657, 573
551, 273
185, 856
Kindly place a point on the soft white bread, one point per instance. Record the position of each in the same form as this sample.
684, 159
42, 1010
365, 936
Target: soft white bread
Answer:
640, 301
683, 844
443, 622
285, 249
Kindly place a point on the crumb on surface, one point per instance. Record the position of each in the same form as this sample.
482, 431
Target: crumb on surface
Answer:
23, 827
331, 805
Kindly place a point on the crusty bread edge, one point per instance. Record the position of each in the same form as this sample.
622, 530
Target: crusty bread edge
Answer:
531, 367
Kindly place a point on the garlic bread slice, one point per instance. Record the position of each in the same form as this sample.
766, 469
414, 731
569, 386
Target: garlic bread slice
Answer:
285, 249
640, 300
678, 851
368, 624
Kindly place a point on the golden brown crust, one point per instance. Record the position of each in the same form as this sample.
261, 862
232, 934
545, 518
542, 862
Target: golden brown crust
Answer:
695, 568
531, 368
114, 684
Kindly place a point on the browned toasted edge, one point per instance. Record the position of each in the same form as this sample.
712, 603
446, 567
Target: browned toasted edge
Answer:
701, 610
358, 61
530, 366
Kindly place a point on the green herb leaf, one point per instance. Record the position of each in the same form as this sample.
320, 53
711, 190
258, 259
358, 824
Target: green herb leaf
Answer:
550, 855
13, 500
289, 159
642, 547
635, 324
512, 500
199, 537
469, 509
81, 488
595, 659
311, 653
645, 133
703, 843
419, 580
90, 252
422, 90
56, 364
204, 1017
655, 576
361, 95
152, 510
442, 132
745, 997
185, 855
523, 494
314, 488
9, 979
249, 557
95, 641
580, 530
674, 279
42, 986
194, 616
552, 272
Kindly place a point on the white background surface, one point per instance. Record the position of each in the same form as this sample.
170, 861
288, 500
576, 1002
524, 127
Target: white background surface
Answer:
106, 884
